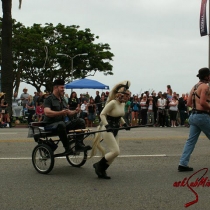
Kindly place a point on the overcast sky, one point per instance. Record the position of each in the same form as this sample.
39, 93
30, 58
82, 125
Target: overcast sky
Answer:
155, 42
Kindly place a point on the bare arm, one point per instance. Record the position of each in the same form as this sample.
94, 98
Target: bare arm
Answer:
189, 100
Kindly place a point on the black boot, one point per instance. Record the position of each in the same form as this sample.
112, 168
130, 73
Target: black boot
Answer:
80, 146
100, 168
67, 151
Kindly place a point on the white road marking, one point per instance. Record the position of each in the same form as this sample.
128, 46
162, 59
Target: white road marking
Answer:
158, 155
120, 156
8, 133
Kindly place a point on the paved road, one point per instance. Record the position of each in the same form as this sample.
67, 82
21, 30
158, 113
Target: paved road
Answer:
142, 176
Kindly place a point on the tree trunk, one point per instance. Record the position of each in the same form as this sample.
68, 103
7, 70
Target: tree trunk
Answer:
6, 50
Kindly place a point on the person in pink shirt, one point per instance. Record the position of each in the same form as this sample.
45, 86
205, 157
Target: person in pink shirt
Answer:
40, 112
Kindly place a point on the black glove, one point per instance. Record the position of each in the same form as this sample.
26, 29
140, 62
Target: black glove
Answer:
126, 126
108, 128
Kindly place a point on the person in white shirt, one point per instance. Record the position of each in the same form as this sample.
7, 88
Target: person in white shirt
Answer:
150, 111
161, 103
84, 111
173, 109
24, 97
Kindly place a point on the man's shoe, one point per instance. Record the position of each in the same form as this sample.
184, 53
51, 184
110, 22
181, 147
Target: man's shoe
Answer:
184, 168
82, 147
68, 151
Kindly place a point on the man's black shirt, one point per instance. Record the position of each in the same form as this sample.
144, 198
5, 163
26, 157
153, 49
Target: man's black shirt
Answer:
182, 104
54, 104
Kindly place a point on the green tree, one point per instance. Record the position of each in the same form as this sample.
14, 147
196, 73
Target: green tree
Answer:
36, 59
41, 63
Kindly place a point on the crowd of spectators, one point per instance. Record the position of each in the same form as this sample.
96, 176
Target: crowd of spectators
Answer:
163, 109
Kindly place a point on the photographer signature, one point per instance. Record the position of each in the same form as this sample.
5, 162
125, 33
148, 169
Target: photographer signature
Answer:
202, 181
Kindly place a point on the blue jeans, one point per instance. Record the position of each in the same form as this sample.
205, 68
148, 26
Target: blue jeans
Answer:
198, 123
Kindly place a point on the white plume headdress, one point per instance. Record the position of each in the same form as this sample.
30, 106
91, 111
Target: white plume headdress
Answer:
121, 87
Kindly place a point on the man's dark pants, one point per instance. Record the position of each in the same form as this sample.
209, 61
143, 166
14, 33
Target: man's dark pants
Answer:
62, 129
183, 116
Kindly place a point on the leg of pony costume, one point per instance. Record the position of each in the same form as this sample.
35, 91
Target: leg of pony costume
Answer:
113, 145
100, 168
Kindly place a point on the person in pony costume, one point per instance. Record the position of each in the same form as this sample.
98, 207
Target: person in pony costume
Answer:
111, 119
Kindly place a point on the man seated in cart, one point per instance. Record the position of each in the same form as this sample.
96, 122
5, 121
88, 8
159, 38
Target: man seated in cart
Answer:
56, 114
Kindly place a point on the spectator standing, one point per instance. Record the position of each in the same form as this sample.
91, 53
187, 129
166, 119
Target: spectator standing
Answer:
169, 92
84, 111
97, 101
150, 110
40, 112
35, 97
14, 100
182, 109
167, 110
45, 95
40, 99
101, 105
161, 110
127, 116
73, 101
31, 108
87, 96
135, 106
173, 108
144, 107
155, 106
106, 95
5, 117
91, 107
81, 99
66, 97
24, 97
2, 123
74, 104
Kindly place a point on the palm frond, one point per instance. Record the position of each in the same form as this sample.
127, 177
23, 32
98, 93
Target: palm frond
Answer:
20, 3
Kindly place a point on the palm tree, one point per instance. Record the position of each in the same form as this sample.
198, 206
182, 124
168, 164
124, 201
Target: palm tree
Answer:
6, 51
20, 3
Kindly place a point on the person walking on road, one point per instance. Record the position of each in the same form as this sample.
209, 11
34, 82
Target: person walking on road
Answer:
111, 120
199, 119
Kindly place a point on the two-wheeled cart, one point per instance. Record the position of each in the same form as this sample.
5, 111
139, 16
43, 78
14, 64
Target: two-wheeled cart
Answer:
43, 155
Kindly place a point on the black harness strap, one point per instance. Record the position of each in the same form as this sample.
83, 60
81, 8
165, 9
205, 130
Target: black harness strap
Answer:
195, 94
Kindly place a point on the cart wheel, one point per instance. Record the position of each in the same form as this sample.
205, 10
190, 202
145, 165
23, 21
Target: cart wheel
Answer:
43, 158
76, 159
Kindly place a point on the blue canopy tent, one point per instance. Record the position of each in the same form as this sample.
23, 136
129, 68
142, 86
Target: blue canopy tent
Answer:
86, 84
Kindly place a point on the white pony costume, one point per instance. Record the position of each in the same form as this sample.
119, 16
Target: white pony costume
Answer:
111, 117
